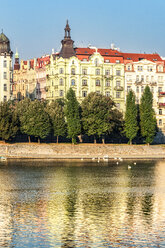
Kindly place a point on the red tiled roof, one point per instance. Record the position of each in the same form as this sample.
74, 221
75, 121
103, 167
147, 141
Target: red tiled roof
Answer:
139, 56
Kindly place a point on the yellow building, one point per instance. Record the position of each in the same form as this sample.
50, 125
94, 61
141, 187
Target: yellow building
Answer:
85, 70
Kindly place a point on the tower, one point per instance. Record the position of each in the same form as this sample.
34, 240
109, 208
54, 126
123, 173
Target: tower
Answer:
16, 64
5, 68
67, 49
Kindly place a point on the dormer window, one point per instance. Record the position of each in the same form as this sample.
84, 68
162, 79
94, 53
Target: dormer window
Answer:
129, 67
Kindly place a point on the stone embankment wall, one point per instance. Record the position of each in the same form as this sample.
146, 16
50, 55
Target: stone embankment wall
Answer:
85, 151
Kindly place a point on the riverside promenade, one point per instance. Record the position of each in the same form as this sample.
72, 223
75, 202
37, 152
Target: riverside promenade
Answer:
81, 151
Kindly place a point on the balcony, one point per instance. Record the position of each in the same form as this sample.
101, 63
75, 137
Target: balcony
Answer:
161, 104
118, 88
161, 93
153, 83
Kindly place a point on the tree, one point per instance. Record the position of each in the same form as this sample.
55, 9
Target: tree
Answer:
35, 121
99, 115
9, 122
72, 113
147, 116
57, 117
131, 125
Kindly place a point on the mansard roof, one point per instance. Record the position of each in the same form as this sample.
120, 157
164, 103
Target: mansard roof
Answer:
4, 44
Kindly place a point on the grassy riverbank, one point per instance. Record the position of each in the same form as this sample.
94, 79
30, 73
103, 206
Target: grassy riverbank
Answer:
81, 151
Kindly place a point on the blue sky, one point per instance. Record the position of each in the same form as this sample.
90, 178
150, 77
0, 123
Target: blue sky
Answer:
37, 26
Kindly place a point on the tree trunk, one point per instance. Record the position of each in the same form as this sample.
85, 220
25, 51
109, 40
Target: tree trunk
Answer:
130, 142
103, 140
57, 139
29, 139
39, 140
94, 139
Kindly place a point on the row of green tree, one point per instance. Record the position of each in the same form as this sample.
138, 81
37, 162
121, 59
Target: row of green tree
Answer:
97, 116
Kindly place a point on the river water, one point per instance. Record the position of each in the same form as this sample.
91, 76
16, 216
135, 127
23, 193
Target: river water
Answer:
79, 204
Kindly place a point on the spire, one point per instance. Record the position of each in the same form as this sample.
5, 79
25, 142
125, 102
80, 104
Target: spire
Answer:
67, 49
67, 30
16, 54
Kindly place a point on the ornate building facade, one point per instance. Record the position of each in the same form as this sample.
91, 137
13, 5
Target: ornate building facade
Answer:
5, 68
85, 70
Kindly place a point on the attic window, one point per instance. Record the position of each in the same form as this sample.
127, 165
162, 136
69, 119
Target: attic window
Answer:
154, 59
106, 53
116, 53
140, 59
84, 60
107, 61
129, 58
86, 52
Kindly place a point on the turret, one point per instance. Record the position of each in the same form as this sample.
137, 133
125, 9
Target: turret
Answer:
16, 64
67, 49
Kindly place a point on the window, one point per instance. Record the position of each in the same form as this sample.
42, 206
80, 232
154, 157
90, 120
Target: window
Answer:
147, 78
107, 72
97, 82
84, 71
152, 90
73, 71
117, 83
140, 68
73, 82
61, 82
98, 92
160, 111
159, 89
52, 93
96, 62
149, 68
72, 62
52, 82
160, 68
160, 79
107, 93
118, 72
84, 60
142, 89
117, 61
137, 89
5, 87
129, 67
152, 78
160, 122
4, 63
142, 78
107, 61
61, 93
5, 98
97, 72
84, 82
137, 78
129, 78
118, 94
84, 93
107, 83
5, 75
61, 71
128, 88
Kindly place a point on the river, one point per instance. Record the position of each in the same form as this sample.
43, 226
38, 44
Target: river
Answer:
81, 204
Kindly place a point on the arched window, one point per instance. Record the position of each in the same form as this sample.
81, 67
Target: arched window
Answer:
97, 71
73, 82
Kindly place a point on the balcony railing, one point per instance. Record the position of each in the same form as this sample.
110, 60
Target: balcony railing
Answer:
120, 88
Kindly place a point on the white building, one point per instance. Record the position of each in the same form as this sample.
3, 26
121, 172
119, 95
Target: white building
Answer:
5, 68
147, 69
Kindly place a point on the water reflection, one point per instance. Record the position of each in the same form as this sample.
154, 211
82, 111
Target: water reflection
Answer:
43, 204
